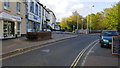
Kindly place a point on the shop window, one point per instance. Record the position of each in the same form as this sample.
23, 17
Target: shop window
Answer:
5, 29
18, 28
8, 28
29, 25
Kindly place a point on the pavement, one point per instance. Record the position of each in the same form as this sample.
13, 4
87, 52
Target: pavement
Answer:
11, 45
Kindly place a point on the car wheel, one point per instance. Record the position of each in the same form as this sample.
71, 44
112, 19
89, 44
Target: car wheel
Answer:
102, 46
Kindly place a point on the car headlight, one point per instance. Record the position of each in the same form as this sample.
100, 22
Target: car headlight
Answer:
105, 40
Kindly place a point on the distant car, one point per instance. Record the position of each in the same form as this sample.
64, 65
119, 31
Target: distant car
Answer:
49, 30
106, 37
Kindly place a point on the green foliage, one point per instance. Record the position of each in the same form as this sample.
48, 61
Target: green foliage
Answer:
71, 21
107, 19
112, 18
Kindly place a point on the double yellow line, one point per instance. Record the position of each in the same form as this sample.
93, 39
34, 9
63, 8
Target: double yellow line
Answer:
25, 52
77, 59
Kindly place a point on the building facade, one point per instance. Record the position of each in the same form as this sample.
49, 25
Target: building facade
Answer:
12, 18
33, 16
46, 19
17, 17
52, 18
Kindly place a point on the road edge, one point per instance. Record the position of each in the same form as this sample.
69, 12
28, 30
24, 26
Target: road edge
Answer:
27, 49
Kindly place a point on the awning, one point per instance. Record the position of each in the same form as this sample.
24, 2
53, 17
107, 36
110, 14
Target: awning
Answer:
4, 15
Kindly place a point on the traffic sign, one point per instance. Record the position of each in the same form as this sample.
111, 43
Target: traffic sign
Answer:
116, 45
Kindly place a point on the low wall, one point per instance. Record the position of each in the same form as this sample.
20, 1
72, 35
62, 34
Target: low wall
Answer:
42, 35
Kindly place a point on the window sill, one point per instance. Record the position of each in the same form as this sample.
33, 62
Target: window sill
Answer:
5, 8
18, 13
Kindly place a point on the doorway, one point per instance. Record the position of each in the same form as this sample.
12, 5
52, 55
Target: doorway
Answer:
8, 29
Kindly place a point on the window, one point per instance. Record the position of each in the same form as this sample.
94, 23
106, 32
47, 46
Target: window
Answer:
43, 11
39, 11
29, 25
18, 25
18, 28
36, 11
32, 7
18, 7
6, 4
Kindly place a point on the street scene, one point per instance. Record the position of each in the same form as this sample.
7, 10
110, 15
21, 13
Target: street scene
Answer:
55, 33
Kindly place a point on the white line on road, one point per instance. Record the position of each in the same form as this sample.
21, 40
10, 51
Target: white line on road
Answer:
84, 60
77, 59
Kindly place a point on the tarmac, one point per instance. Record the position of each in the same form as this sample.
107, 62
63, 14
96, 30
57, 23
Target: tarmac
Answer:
17, 44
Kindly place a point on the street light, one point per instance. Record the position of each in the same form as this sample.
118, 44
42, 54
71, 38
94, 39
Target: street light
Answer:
77, 20
91, 19
77, 14
87, 31
82, 23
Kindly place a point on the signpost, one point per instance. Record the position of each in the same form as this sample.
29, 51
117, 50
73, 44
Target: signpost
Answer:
116, 45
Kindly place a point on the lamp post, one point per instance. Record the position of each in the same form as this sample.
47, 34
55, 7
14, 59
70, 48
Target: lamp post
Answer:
77, 21
82, 23
76, 13
87, 31
91, 19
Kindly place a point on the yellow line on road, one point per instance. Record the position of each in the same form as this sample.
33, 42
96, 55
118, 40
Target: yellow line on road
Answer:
23, 52
77, 59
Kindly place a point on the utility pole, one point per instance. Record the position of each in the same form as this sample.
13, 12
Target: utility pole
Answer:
91, 19
82, 23
87, 31
77, 21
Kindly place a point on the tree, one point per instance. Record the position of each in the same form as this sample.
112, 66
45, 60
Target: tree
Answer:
108, 19
63, 23
70, 21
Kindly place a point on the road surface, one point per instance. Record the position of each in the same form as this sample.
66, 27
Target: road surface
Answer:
61, 53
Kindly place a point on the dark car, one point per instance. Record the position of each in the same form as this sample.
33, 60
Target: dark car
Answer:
106, 37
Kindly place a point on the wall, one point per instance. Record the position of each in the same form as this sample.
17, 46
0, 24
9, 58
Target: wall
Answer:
0, 5
1, 28
22, 14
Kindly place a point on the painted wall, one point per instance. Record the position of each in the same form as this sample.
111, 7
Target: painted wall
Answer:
1, 28
13, 11
33, 16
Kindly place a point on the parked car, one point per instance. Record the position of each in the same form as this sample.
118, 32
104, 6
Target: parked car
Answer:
106, 37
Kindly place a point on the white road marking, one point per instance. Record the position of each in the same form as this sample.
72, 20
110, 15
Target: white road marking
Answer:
75, 62
46, 50
84, 60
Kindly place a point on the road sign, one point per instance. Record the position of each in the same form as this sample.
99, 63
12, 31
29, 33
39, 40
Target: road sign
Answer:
116, 45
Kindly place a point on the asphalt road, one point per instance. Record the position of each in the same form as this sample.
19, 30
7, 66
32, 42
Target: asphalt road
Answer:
100, 57
60, 53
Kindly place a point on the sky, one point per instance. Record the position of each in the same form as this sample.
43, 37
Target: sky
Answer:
64, 8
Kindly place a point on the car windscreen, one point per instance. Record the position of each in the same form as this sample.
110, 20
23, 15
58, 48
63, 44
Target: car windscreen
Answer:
109, 33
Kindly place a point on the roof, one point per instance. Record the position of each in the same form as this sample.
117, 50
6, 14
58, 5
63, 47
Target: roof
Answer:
51, 11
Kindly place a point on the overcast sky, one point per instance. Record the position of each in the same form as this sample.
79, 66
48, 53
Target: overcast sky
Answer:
64, 8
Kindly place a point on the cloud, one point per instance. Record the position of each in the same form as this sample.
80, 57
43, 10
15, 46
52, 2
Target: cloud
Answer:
64, 8
78, 6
